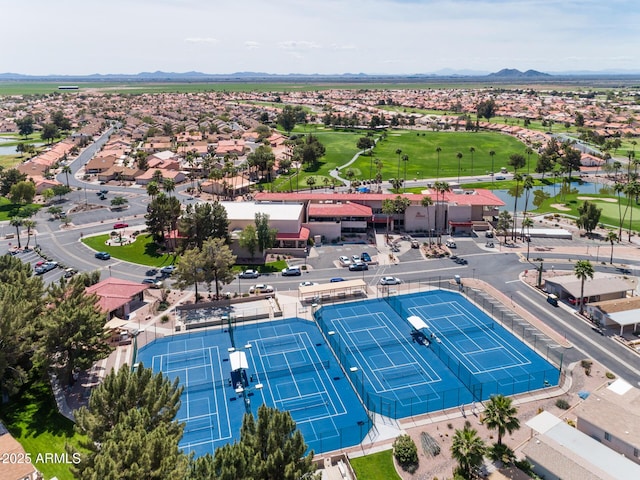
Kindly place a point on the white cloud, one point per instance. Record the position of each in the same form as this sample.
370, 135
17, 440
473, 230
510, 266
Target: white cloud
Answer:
251, 44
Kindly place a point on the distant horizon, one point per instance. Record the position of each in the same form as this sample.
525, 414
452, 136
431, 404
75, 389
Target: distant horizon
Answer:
379, 37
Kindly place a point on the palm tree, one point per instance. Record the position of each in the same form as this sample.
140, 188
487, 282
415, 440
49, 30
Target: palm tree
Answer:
611, 237
632, 190
493, 170
472, 150
527, 186
405, 160
518, 178
66, 170
459, 157
398, 152
152, 189
29, 224
17, 222
168, 185
583, 270
500, 415
426, 202
529, 152
527, 223
468, 449
388, 208
438, 150
441, 188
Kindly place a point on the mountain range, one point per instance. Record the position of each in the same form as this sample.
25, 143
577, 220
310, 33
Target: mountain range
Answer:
159, 76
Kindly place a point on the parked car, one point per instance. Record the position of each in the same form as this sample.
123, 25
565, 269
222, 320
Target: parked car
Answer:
153, 282
355, 258
261, 288
45, 267
500, 177
69, 272
104, 191
344, 260
168, 270
336, 279
415, 244
451, 244
390, 281
249, 273
151, 272
291, 272
120, 225
365, 257
358, 267
488, 234
307, 284
103, 255
574, 301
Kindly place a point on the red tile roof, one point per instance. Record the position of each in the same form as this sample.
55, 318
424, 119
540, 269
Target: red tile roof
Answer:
348, 209
303, 234
114, 292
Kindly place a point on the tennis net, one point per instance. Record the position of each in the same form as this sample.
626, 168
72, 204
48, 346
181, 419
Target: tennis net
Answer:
377, 344
292, 370
451, 330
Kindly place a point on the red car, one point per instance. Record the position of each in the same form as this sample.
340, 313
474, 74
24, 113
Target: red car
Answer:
120, 225
574, 301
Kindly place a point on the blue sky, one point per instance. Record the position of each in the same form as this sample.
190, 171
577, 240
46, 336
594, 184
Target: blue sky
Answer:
79, 37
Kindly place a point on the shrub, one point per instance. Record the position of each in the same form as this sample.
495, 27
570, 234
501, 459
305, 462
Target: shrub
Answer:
609, 375
164, 318
406, 453
562, 404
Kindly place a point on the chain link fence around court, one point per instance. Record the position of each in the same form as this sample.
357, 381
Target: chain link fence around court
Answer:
473, 389
519, 327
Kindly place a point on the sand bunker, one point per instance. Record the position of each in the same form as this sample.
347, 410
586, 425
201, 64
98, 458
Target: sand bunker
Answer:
598, 199
561, 207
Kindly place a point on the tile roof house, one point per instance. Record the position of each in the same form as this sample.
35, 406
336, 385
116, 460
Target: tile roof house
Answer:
117, 297
15, 470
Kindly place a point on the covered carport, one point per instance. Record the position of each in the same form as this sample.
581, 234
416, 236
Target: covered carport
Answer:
333, 290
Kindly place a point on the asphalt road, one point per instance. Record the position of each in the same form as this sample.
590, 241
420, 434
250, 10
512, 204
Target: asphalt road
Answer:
499, 266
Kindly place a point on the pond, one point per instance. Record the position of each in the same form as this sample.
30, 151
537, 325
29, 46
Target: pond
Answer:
8, 150
581, 187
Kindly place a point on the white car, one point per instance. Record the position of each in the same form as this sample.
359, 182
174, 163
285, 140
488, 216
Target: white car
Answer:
355, 259
307, 284
168, 270
390, 281
344, 261
261, 288
45, 267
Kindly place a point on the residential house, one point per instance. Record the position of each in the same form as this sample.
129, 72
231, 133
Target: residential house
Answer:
611, 415
100, 164
14, 465
146, 177
619, 312
558, 451
603, 286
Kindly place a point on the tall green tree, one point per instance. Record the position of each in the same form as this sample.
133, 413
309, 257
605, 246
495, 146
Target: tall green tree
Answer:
162, 215
20, 303
217, 262
632, 190
72, 329
22, 192
130, 428
583, 270
468, 449
8, 178
49, 132
504, 224
588, 216
459, 157
248, 239
25, 126
270, 447
570, 161
203, 221
265, 234
501, 415
262, 159
189, 271
66, 169
516, 195
486, 109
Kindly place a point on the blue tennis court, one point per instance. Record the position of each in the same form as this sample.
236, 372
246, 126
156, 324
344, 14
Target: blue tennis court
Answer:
289, 366
461, 356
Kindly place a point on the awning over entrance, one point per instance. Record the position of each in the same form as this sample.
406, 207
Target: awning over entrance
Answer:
332, 289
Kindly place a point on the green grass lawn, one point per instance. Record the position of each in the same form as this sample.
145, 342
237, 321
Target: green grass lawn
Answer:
8, 209
421, 147
610, 214
377, 466
33, 419
143, 251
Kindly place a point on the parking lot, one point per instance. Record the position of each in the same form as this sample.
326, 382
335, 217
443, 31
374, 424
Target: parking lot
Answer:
33, 258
